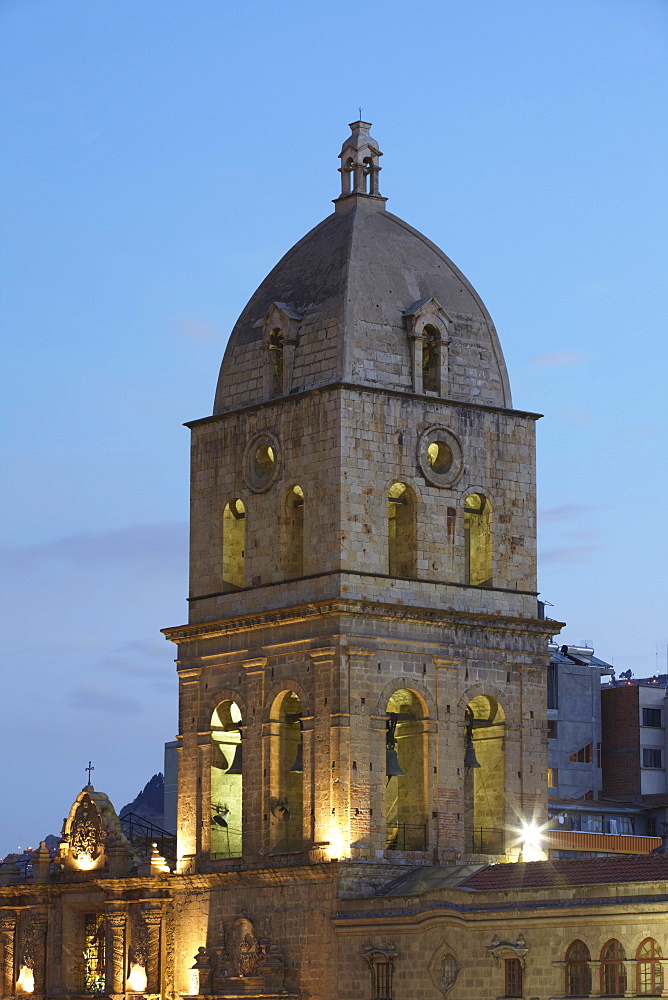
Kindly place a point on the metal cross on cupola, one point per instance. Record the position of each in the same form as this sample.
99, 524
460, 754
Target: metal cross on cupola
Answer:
89, 769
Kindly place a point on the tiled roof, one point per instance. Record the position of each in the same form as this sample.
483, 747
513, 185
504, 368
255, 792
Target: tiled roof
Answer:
581, 871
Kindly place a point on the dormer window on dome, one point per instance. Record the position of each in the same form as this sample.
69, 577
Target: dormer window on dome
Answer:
280, 330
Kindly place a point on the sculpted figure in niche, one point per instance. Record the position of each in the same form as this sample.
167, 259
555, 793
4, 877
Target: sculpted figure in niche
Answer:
85, 833
248, 961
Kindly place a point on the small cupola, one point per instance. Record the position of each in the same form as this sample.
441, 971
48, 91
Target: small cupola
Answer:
360, 167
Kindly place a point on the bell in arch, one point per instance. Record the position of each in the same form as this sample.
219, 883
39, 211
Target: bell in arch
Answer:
392, 766
470, 759
298, 766
235, 767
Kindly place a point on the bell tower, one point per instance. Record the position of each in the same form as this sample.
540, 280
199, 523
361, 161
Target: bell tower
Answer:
363, 670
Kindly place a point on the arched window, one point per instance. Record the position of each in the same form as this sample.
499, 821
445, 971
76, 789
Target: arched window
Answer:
431, 359
578, 973
401, 544
648, 969
276, 362
234, 542
226, 781
478, 540
293, 534
485, 776
613, 970
286, 791
406, 763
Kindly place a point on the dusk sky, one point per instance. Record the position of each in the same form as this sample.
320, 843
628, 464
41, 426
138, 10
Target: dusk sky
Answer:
159, 157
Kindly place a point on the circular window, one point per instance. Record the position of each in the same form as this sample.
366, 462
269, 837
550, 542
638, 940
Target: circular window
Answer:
440, 456
262, 462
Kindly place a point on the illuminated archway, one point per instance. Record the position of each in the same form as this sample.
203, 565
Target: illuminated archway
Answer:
485, 778
286, 790
226, 781
234, 545
406, 767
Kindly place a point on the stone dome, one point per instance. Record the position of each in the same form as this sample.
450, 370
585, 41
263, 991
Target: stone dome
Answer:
350, 296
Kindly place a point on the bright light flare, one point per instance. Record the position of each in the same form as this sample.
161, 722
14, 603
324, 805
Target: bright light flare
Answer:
336, 846
26, 980
530, 838
137, 979
194, 982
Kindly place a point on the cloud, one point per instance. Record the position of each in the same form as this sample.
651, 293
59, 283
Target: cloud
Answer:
148, 658
97, 699
641, 432
559, 359
138, 544
564, 512
193, 328
575, 414
569, 554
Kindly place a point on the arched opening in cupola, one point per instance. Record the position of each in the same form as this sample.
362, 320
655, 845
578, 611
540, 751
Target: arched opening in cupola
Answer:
286, 787
401, 531
478, 540
292, 535
405, 772
226, 781
234, 545
484, 762
276, 345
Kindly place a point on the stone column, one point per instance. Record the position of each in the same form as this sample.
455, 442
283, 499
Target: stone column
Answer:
595, 968
321, 763
7, 932
39, 956
255, 835
153, 919
189, 806
115, 958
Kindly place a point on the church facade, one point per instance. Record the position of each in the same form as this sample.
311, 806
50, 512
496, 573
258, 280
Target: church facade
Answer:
363, 707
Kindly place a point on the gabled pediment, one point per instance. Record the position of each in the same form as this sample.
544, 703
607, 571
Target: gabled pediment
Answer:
425, 312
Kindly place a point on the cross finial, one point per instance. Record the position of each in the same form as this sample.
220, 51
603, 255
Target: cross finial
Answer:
89, 769
360, 111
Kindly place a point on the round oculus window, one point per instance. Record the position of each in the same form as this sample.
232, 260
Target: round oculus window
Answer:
262, 462
440, 456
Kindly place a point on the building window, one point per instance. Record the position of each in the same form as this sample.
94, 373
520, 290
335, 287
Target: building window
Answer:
651, 717
583, 756
293, 534
383, 977
276, 362
552, 686
651, 757
613, 970
598, 755
234, 542
94, 959
401, 543
551, 729
578, 973
478, 540
552, 777
513, 977
431, 360
648, 970
650, 826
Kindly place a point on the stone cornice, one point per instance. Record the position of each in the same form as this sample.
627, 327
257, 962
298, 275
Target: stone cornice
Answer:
368, 609
362, 388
